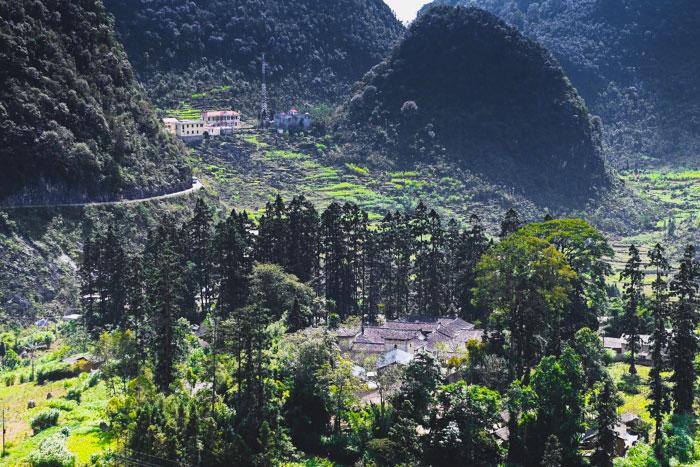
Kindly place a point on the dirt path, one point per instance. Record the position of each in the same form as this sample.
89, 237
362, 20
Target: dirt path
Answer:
196, 186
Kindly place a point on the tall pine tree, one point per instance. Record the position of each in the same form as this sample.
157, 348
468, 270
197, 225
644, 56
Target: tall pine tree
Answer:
634, 299
684, 343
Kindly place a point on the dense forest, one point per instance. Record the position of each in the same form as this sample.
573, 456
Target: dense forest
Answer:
274, 387
315, 48
75, 125
463, 86
634, 61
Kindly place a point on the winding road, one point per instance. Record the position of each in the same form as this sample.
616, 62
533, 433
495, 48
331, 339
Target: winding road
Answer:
196, 186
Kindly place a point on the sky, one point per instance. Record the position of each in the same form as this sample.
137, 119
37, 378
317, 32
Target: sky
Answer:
406, 9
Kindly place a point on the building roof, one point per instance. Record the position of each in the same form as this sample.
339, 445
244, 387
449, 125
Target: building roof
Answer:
612, 342
220, 113
394, 356
170, 120
345, 332
367, 347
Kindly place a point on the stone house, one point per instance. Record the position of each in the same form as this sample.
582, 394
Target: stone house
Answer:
292, 121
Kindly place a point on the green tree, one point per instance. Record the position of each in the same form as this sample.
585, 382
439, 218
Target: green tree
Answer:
511, 223
659, 307
420, 381
199, 237
634, 300
585, 249
163, 276
552, 451
120, 353
559, 387
589, 348
605, 401
684, 343
461, 426
339, 385
526, 281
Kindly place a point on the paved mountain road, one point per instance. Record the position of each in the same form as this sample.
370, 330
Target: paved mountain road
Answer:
196, 186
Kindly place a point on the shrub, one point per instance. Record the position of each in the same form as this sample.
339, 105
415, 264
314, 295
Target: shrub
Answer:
93, 379
62, 404
642, 455
10, 379
52, 452
45, 419
11, 360
55, 373
74, 394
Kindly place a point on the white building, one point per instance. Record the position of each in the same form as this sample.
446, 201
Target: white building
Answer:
292, 121
226, 120
216, 123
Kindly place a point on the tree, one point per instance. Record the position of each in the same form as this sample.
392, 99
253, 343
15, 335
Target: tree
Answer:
590, 350
421, 378
684, 343
659, 306
199, 234
511, 223
559, 387
461, 426
339, 388
526, 282
233, 265
120, 353
552, 451
584, 249
163, 274
634, 298
278, 292
605, 401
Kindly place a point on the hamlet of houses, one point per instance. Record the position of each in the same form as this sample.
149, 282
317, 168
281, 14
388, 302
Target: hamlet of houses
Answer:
396, 341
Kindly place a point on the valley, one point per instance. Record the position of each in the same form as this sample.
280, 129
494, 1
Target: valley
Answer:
471, 244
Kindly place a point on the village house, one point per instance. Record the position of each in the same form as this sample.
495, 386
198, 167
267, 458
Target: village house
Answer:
619, 346
215, 123
443, 337
226, 120
292, 121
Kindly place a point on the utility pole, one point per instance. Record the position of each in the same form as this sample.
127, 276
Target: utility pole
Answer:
3, 433
213, 349
263, 106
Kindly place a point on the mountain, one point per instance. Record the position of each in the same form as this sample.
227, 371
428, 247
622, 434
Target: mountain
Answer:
315, 49
74, 124
634, 61
465, 87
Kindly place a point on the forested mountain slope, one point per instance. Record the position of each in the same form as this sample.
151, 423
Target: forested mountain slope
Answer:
315, 48
74, 123
464, 86
634, 61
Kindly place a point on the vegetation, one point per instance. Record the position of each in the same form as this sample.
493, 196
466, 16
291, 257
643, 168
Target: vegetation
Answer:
75, 125
646, 121
210, 51
515, 118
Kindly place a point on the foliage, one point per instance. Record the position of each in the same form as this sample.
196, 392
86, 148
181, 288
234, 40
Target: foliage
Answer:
76, 126
625, 89
183, 48
45, 419
423, 103
52, 452
526, 282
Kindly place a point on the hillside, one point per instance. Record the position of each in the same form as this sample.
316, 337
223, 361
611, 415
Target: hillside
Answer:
634, 62
208, 49
74, 123
465, 87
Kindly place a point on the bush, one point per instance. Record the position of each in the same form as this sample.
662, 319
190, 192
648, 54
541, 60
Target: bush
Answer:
93, 379
10, 379
55, 373
642, 455
45, 419
74, 394
52, 452
11, 360
62, 404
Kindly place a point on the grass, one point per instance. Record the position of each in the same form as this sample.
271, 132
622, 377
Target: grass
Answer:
83, 422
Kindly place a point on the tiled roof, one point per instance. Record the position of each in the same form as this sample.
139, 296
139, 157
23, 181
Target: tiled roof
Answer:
345, 332
219, 113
